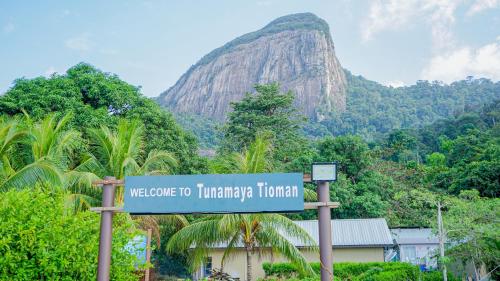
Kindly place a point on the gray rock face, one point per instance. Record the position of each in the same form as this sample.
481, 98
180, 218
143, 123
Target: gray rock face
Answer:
295, 51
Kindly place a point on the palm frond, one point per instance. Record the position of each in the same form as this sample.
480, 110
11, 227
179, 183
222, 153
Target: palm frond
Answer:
41, 171
272, 238
158, 161
310, 195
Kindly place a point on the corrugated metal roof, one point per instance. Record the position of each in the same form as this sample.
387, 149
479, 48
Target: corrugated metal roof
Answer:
345, 233
408, 236
352, 232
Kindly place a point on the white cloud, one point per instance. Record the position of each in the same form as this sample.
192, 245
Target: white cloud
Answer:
460, 63
399, 14
481, 5
81, 42
387, 15
395, 83
8, 28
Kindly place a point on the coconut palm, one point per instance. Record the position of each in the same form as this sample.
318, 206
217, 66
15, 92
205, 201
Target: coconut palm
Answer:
252, 231
119, 153
11, 135
43, 153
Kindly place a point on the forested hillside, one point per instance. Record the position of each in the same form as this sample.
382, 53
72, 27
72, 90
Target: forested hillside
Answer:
374, 110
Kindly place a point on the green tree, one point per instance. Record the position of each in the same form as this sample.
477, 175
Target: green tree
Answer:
45, 154
351, 152
120, 153
40, 240
98, 98
268, 111
472, 228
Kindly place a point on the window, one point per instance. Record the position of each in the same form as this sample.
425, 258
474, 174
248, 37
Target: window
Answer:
409, 254
207, 267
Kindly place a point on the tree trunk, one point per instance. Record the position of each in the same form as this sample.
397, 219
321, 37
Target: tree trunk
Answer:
249, 264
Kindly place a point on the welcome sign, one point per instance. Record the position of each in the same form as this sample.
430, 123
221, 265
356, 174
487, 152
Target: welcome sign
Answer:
231, 193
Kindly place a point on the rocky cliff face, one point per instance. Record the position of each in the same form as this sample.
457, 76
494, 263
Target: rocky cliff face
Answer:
296, 51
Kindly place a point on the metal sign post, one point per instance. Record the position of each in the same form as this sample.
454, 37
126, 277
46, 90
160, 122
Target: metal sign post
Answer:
108, 200
325, 232
322, 174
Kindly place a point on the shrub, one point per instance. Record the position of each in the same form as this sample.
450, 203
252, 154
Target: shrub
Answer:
437, 276
39, 240
371, 271
280, 270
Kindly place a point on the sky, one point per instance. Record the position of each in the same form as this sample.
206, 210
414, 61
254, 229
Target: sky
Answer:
152, 43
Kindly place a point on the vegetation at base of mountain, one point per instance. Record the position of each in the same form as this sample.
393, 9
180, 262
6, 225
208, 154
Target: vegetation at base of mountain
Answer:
266, 111
40, 240
374, 110
208, 131
397, 177
379, 271
97, 98
459, 153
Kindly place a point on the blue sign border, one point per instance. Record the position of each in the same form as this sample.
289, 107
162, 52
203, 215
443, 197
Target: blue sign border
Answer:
214, 193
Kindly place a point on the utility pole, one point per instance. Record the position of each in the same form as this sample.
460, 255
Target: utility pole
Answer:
441, 242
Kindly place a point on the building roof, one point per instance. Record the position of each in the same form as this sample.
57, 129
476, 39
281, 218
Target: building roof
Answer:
409, 236
352, 232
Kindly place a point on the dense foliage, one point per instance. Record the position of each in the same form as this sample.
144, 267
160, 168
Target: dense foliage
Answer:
97, 98
269, 112
374, 110
472, 227
40, 240
372, 271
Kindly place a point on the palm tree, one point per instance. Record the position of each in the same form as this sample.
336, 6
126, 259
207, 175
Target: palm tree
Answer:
252, 231
11, 135
119, 153
43, 153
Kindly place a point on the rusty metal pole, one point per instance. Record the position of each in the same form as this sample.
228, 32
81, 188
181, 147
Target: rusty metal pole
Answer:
104, 262
325, 232
148, 254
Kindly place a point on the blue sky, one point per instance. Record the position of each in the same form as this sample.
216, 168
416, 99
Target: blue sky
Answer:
152, 43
